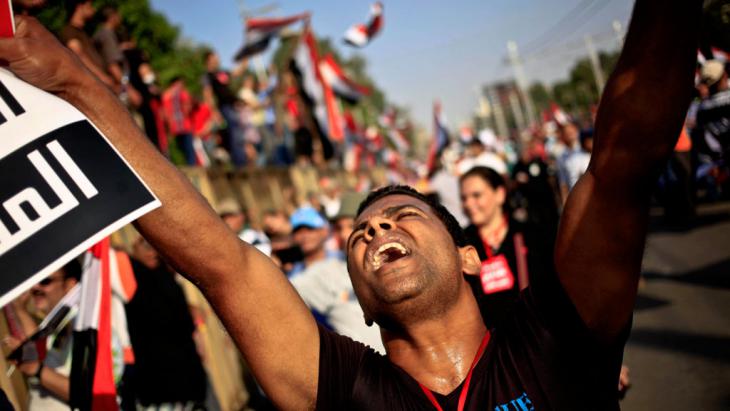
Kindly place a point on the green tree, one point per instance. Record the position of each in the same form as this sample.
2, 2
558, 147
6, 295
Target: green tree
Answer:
716, 23
159, 39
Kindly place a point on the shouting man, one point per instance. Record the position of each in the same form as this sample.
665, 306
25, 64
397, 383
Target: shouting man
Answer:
407, 259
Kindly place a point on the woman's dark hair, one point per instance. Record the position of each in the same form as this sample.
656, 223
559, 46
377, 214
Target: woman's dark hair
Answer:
452, 226
72, 269
491, 177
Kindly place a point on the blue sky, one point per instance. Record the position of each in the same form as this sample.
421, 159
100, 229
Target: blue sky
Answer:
430, 49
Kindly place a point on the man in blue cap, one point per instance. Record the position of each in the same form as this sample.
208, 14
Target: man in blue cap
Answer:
323, 282
309, 232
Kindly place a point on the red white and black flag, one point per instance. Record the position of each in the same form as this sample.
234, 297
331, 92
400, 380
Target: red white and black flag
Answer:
260, 32
316, 92
440, 137
341, 84
360, 35
92, 378
389, 121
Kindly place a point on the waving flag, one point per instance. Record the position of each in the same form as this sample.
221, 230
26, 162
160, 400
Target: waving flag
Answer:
440, 137
342, 86
260, 31
106, 283
319, 94
556, 114
360, 35
388, 121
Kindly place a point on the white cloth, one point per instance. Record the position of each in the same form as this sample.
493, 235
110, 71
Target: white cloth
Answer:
257, 239
325, 287
485, 159
447, 187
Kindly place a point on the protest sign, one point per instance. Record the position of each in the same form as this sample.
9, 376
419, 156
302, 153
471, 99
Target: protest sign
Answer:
63, 186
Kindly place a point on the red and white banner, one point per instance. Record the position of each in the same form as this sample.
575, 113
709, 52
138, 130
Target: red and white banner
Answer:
324, 106
360, 35
260, 32
341, 84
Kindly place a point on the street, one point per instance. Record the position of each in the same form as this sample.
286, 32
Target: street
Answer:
679, 348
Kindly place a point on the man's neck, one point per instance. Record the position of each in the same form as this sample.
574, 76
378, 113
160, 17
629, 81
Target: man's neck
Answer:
438, 353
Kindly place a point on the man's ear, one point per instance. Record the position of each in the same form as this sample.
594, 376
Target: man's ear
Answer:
470, 262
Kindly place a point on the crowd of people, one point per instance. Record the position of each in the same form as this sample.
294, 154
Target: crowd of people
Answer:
507, 194
232, 121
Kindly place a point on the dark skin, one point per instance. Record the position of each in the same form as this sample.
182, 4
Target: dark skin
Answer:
432, 333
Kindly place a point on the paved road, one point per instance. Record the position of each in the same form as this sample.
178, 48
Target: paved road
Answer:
679, 349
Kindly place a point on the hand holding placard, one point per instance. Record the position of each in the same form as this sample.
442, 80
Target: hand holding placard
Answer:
65, 186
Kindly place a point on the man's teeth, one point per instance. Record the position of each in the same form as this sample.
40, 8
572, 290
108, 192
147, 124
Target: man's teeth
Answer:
380, 257
386, 246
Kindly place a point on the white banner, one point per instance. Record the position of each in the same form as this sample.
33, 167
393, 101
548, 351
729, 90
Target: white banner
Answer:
63, 186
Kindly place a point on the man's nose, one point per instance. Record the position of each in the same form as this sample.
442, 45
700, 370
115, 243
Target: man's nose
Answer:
378, 226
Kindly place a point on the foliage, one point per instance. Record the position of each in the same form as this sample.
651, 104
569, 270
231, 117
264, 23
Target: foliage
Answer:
579, 91
160, 40
716, 23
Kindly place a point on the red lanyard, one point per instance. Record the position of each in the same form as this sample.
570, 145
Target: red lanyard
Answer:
485, 243
467, 381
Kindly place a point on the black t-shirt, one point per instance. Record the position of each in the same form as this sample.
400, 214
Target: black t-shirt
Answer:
534, 192
167, 364
219, 82
543, 358
538, 246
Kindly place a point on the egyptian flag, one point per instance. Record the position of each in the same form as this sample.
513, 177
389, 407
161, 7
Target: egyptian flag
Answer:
92, 378
318, 94
560, 117
388, 121
360, 35
260, 31
440, 137
342, 86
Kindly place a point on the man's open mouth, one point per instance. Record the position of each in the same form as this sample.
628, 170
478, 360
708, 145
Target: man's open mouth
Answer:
388, 253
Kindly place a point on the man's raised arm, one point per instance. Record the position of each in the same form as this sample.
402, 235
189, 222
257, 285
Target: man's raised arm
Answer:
603, 230
260, 309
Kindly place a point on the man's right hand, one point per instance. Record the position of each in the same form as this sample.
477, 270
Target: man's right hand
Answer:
38, 58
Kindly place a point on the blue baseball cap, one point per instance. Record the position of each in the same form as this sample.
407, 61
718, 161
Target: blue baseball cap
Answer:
307, 217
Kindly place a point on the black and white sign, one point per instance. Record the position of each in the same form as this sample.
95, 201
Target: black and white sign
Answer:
63, 187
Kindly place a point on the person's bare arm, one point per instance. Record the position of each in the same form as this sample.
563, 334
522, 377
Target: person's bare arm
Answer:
75, 46
49, 379
603, 230
262, 312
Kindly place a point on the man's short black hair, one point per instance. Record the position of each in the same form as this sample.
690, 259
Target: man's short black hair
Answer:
72, 269
452, 226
